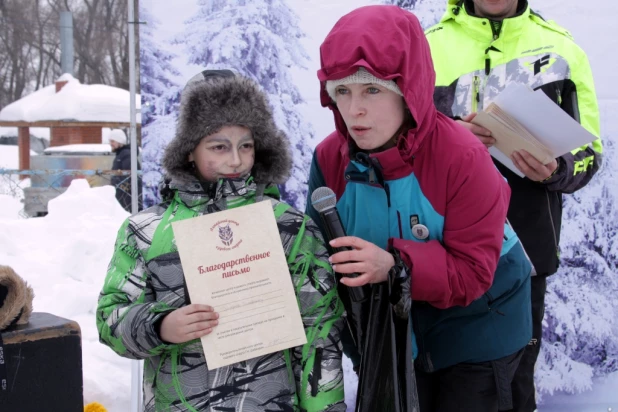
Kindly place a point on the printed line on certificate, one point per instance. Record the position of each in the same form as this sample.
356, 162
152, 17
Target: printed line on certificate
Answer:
246, 301
250, 310
250, 316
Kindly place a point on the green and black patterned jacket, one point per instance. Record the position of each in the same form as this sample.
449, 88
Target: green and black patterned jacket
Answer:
145, 282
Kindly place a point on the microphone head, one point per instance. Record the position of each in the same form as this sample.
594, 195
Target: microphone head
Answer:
323, 198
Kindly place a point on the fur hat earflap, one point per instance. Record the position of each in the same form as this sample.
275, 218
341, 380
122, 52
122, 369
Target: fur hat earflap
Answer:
214, 99
15, 299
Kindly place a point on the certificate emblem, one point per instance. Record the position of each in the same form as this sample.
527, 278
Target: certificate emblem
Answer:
224, 231
226, 235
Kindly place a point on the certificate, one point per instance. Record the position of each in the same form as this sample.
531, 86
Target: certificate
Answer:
234, 261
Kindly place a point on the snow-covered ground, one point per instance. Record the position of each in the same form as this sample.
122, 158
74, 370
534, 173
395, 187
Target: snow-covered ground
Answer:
64, 257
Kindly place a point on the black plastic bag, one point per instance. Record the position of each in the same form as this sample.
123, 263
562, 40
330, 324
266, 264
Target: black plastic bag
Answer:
386, 378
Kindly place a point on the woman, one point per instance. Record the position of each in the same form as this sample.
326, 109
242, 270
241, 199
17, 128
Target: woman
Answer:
227, 153
419, 193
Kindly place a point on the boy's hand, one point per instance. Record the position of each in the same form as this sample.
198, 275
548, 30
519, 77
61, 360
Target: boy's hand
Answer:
188, 323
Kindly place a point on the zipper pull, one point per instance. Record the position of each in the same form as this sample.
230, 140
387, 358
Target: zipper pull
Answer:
476, 95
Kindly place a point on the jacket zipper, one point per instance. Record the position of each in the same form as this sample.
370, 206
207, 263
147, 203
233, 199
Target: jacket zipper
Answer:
551, 219
388, 194
476, 98
495, 35
558, 96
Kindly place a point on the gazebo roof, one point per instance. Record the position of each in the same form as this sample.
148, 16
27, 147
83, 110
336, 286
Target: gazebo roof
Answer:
75, 104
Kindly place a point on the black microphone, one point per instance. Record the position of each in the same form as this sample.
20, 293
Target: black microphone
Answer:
324, 201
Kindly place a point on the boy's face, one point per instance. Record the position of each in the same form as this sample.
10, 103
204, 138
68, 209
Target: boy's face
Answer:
228, 153
373, 114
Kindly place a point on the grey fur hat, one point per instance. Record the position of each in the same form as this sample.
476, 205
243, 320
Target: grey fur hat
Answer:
217, 98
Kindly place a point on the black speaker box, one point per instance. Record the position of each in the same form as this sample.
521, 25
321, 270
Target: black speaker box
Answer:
43, 366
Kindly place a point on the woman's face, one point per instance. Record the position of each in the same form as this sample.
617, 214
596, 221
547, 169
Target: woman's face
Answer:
228, 153
372, 114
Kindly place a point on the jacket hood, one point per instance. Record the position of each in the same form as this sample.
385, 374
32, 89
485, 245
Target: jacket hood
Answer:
388, 42
214, 99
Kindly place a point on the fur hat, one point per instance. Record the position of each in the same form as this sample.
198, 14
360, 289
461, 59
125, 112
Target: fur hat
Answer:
217, 98
362, 76
119, 136
15, 299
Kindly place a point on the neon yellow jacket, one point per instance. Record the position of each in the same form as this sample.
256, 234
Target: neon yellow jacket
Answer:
475, 59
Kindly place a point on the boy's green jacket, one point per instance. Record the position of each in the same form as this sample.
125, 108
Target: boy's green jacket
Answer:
145, 282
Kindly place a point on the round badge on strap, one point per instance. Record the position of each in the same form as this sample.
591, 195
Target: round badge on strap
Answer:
420, 232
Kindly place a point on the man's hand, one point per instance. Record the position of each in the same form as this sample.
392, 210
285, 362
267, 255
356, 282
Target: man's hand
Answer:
532, 168
188, 323
369, 261
483, 134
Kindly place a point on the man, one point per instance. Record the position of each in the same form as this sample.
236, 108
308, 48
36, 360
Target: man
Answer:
478, 48
122, 161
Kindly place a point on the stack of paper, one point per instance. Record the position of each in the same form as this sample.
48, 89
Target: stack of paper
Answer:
521, 118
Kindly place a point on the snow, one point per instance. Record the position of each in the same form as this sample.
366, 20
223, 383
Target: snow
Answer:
603, 398
42, 132
104, 148
64, 257
9, 207
9, 156
74, 102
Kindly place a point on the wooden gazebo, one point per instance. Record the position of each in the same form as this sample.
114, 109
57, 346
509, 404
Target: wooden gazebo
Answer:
98, 106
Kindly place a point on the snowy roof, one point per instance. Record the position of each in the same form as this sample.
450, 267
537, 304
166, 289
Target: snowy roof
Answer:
80, 148
75, 102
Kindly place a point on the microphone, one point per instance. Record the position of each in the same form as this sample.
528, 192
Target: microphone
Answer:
324, 201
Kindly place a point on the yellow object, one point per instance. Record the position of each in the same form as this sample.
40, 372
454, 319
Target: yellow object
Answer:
94, 407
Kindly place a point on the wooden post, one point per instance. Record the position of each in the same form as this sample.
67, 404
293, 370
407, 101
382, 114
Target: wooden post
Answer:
23, 141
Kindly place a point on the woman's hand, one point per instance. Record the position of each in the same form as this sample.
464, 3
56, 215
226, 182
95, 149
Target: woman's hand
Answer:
368, 260
188, 323
532, 168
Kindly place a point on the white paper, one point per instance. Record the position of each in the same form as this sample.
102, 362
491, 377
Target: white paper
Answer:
234, 261
544, 119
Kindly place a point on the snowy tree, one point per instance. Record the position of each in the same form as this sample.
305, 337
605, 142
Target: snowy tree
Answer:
158, 87
405, 4
259, 39
428, 12
581, 319
160, 97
